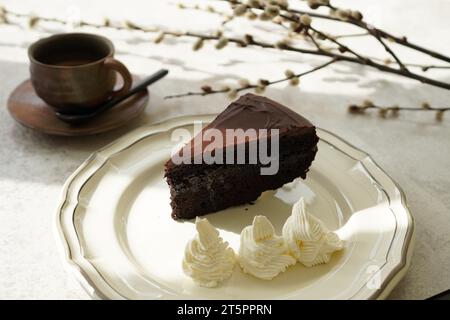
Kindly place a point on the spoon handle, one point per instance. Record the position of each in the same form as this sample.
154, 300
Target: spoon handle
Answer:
141, 86
111, 103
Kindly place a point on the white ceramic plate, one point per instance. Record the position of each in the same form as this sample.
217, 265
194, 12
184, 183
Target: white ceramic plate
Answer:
117, 233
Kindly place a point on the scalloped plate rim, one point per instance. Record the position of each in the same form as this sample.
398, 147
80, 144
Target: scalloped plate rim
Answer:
95, 285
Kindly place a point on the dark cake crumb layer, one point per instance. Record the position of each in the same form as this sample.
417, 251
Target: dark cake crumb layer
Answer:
216, 188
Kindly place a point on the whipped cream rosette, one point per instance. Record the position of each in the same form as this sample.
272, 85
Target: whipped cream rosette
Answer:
308, 239
208, 260
262, 253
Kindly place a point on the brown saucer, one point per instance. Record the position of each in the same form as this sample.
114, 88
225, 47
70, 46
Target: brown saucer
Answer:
29, 110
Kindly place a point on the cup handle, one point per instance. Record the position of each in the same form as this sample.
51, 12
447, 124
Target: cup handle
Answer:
120, 68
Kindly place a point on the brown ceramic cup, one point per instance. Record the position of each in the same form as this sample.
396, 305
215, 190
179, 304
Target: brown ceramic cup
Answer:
76, 72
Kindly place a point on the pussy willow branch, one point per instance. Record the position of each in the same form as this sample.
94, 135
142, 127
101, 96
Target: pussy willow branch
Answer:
370, 31
338, 57
352, 35
242, 42
249, 86
130, 26
361, 24
399, 40
33, 20
389, 50
393, 111
403, 71
209, 9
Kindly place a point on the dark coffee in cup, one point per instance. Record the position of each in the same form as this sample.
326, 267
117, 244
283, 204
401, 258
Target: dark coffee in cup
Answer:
76, 72
67, 58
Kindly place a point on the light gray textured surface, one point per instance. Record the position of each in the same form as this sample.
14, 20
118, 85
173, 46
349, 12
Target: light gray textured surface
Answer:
413, 149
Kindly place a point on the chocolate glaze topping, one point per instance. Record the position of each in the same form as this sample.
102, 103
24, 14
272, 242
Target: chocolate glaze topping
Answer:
251, 111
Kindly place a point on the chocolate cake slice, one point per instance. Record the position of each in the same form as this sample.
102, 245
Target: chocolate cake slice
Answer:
199, 186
